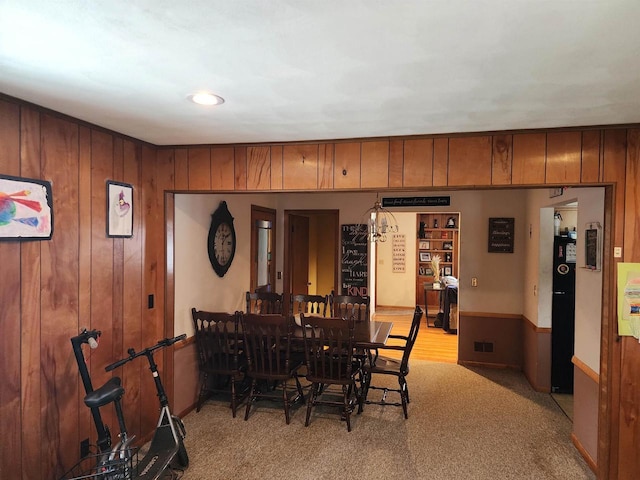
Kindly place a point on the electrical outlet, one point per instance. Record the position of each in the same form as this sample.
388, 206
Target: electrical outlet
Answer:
617, 252
84, 448
474, 282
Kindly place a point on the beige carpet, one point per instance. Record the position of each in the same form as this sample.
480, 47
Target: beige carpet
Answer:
463, 424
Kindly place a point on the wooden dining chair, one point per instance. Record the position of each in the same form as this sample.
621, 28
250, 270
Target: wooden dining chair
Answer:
309, 304
390, 366
270, 359
221, 360
350, 306
264, 302
329, 348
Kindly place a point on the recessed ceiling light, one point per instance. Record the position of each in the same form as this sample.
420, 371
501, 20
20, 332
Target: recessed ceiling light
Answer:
206, 99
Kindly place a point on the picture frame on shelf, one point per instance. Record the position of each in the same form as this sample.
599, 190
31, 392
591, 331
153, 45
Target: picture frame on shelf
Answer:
425, 271
447, 271
447, 245
424, 245
425, 256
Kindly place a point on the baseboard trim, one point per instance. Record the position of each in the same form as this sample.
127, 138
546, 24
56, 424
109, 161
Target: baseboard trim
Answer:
468, 363
187, 410
513, 316
535, 386
587, 458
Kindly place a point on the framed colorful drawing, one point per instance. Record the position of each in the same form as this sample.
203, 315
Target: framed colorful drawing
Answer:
26, 209
119, 209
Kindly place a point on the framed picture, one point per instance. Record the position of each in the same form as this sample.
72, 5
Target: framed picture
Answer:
26, 209
424, 245
425, 271
501, 235
447, 271
119, 209
425, 256
447, 245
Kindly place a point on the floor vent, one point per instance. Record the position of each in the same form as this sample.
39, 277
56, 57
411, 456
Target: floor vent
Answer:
485, 347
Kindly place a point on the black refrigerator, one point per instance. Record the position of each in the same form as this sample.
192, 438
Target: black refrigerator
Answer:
563, 314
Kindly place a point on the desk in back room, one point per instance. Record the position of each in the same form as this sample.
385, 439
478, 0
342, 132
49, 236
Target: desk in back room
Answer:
447, 298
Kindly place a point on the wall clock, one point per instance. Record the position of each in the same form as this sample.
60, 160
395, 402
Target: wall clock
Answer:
221, 243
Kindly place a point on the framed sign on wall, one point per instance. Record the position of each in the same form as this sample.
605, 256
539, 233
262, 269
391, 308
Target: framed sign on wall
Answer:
501, 235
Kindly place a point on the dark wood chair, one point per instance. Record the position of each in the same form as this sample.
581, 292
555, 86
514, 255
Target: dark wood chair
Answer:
221, 361
350, 306
309, 304
391, 366
264, 303
323, 337
267, 343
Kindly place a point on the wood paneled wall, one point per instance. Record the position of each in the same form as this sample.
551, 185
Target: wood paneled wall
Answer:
50, 289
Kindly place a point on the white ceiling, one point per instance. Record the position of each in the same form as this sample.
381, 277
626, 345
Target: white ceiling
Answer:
326, 69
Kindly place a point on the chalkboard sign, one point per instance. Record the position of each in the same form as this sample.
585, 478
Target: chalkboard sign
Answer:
591, 248
354, 260
501, 234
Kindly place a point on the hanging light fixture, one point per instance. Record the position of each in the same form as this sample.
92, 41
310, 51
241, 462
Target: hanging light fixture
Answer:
380, 221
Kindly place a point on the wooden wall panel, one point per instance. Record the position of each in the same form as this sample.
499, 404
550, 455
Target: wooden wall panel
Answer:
629, 419
258, 168
30, 311
199, 167
375, 164
222, 168
529, 150
133, 331
614, 156
396, 162
59, 296
240, 163
153, 182
418, 162
347, 165
440, 162
10, 387
181, 161
102, 262
325, 166
300, 167
564, 154
470, 161
85, 422
501, 160
276, 167
591, 156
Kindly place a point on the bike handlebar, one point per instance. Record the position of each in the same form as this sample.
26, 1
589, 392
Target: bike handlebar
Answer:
132, 353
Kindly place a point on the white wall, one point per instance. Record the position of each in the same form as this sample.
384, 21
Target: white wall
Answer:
538, 268
196, 283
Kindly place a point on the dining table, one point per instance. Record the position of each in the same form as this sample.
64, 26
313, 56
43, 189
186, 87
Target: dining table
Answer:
367, 335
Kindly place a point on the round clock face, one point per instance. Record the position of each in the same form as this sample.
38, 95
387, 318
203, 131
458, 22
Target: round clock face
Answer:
223, 244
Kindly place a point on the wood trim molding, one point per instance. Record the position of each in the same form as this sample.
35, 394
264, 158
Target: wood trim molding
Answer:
586, 369
587, 458
188, 341
534, 327
514, 316
470, 363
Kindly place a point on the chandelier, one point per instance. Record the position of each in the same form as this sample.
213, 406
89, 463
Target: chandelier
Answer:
380, 221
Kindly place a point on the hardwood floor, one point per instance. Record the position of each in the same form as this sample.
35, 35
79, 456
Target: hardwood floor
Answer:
432, 343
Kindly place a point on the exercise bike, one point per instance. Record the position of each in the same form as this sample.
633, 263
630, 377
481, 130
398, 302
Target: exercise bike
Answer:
116, 462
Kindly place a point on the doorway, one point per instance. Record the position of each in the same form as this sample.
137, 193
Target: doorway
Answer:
310, 252
263, 252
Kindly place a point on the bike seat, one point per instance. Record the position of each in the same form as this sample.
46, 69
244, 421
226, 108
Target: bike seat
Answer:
107, 393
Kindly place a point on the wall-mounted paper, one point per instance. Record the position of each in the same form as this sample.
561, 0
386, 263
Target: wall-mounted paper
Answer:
629, 299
